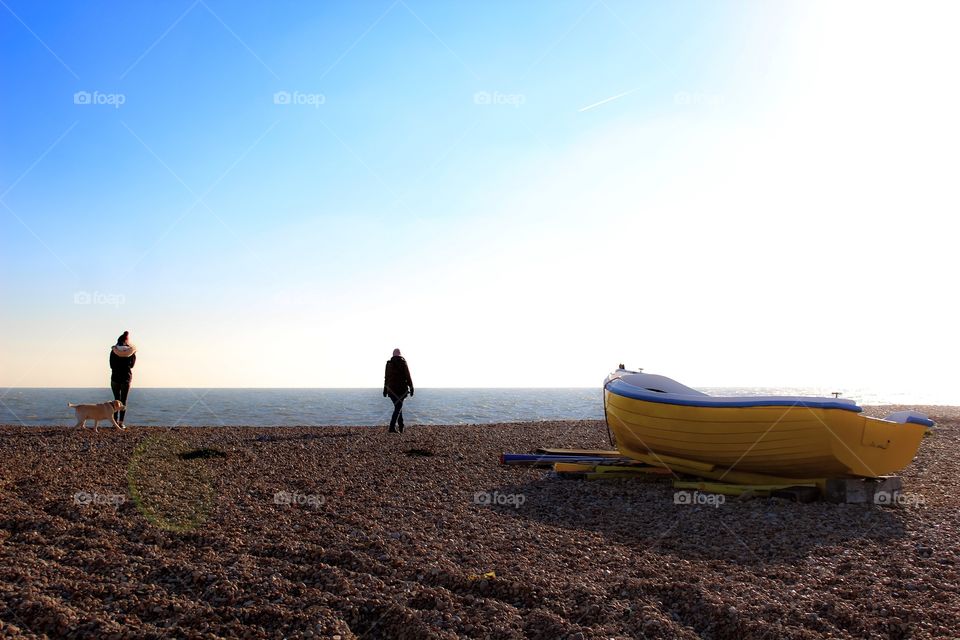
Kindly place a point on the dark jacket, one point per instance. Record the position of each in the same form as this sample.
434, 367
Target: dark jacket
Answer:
121, 367
396, 377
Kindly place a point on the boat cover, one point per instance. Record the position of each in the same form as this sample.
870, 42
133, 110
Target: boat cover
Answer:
654, 388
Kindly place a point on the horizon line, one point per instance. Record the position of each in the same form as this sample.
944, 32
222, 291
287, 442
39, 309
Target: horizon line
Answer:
308, 388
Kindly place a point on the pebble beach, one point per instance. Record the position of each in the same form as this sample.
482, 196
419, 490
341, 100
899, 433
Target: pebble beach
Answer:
350, 532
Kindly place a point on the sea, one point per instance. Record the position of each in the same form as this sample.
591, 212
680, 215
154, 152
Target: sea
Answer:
350, 407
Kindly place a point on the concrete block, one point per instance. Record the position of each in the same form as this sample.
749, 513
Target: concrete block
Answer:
884, 490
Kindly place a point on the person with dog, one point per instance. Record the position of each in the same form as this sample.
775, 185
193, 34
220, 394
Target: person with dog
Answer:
123, 356
396, 384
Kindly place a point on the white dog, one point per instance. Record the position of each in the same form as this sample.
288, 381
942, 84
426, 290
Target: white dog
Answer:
96, 412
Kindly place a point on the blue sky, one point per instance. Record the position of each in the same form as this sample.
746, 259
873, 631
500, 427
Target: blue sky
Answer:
447, 178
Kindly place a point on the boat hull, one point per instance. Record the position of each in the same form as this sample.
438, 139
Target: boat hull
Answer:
786, 441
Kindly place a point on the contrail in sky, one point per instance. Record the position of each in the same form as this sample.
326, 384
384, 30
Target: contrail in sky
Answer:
606, 100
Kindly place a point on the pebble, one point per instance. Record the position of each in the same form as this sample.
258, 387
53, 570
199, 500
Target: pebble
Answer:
397, 539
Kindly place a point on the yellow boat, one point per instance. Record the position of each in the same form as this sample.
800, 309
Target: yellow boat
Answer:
785, 436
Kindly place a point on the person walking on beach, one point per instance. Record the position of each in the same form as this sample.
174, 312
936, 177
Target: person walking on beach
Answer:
396, 384
123, 356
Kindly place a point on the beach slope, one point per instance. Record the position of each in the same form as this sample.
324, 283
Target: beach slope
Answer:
351, 532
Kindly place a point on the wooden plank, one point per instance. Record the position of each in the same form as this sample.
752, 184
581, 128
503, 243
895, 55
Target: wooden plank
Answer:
600, 453
726, 488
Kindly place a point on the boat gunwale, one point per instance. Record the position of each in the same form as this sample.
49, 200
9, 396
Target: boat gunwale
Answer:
624, 389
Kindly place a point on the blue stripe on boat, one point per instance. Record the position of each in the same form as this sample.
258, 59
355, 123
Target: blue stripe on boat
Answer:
626, 390
927, 422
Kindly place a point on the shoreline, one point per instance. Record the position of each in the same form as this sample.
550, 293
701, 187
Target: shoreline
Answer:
352, 532
878, 410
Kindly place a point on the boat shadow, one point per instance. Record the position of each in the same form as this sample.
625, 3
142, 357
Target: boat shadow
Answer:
651, 516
